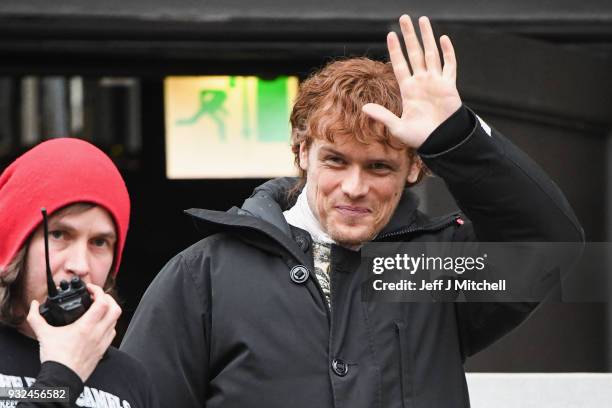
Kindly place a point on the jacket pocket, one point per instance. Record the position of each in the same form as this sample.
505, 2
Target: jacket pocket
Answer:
406, 365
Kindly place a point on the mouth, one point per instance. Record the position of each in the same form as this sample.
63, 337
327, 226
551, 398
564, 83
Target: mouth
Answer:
353, 211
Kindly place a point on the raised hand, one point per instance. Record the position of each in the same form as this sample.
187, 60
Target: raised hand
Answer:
80, 345
429, 91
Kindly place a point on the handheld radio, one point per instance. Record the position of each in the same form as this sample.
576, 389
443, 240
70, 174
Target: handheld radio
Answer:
71, 301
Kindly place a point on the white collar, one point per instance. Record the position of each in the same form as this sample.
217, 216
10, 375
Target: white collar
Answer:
301, 216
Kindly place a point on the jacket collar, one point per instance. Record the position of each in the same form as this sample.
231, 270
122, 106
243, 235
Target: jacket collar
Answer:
260, 205
263, 212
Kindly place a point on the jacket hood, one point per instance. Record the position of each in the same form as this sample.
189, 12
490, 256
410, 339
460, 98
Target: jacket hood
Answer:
262, 212
261, 204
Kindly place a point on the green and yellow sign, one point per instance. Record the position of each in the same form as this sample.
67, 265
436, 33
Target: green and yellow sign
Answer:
228, 126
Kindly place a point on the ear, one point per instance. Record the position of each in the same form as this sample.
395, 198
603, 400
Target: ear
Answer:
415, 170
304, 156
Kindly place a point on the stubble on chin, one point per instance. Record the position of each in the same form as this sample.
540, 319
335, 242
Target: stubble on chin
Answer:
345, 237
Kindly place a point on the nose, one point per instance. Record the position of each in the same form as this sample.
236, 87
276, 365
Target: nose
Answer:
354, 184
77, 259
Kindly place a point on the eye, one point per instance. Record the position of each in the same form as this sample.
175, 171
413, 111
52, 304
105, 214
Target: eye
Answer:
56, 234
378, 166
335, 160
99, 242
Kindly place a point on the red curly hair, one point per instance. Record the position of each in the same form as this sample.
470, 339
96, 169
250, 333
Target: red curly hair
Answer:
329, 103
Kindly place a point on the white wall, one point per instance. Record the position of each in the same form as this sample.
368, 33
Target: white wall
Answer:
541, 390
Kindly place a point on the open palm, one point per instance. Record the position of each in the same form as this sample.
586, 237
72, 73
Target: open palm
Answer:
429, 91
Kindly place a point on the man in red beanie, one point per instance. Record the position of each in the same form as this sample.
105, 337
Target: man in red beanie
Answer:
88, 207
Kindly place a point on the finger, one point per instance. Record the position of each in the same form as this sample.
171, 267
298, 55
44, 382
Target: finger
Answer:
432, 55
382, 114
398, 62
35, 320
94, 291
98, 308
450, 63
112, 315
413, 47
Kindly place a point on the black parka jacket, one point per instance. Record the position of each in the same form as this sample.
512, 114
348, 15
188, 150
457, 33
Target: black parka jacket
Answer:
223, 325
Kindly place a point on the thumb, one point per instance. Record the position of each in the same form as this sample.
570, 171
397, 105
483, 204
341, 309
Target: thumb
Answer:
381, 114
35, 320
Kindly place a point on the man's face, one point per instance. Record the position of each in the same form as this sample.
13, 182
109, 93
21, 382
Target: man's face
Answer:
81, 243
354, 188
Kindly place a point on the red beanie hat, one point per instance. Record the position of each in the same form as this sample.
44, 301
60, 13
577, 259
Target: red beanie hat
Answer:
54, 174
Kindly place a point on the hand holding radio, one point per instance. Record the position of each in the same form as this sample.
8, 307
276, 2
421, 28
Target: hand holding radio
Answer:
70, 302
81, 344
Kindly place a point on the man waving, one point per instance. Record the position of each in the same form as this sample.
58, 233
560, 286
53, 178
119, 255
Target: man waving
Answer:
266, 311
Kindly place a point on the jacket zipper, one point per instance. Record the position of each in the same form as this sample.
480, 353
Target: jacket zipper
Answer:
432, 228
